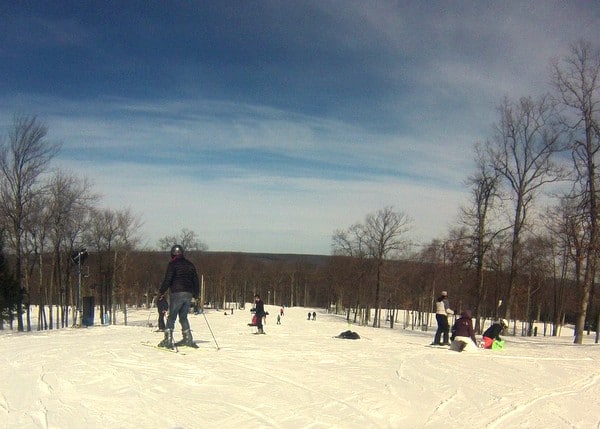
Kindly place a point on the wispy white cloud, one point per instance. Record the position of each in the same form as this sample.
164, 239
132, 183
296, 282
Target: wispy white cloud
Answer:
178, 131
263, 212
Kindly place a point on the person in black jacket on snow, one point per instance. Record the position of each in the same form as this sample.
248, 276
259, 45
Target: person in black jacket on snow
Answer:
181, 279
260, 313
492, 333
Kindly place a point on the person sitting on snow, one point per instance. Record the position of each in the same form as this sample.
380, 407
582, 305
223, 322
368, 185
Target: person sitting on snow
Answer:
463, 334
492, 333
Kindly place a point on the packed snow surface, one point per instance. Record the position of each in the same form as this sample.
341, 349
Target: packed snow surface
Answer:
296, 376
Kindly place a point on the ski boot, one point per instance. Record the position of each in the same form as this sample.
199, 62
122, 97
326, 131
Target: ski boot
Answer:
167, 342
187, 340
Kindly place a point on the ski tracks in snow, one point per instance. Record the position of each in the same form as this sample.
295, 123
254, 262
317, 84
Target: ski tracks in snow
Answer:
580, 389
315, 398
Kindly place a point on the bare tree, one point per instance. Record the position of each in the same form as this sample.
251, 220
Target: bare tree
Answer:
522, 152
566, 240
9, 289
380, 237
577, 81
67, 208
128, 225
23, 158
102, 237
187, 238
386, 237
34, 248
476, 219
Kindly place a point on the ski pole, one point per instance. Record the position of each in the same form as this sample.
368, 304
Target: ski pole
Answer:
211, 332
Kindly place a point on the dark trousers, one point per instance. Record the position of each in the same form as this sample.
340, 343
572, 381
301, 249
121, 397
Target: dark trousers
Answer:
259, 321
163, 306
161, 320
443, 328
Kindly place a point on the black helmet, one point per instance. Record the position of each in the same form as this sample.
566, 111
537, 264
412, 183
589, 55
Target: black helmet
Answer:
176, 250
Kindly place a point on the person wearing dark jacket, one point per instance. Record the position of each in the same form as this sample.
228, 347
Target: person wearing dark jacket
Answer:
259, 312
492, 333
181, 279
463, 334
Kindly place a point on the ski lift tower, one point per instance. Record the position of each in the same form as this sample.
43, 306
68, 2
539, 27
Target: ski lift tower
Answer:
78, 257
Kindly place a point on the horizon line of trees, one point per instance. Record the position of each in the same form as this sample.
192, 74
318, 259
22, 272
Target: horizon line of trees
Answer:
337, 282
506, 256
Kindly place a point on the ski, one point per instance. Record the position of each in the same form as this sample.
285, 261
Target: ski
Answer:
154, 346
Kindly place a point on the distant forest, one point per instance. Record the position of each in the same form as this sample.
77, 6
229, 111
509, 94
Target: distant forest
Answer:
337, 283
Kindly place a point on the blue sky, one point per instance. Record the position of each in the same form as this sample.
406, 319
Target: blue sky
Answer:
264, 126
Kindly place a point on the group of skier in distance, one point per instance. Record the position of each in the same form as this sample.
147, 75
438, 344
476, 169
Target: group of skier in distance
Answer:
463, 334
181, 280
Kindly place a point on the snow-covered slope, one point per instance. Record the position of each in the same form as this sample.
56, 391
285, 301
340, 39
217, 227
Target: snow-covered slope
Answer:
296, 376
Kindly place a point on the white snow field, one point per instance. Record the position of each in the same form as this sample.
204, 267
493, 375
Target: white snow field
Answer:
296, 376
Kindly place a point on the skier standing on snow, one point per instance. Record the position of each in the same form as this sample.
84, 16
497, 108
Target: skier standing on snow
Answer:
182, 280
259, 307
442, 310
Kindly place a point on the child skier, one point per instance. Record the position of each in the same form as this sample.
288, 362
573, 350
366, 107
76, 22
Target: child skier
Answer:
162, 306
